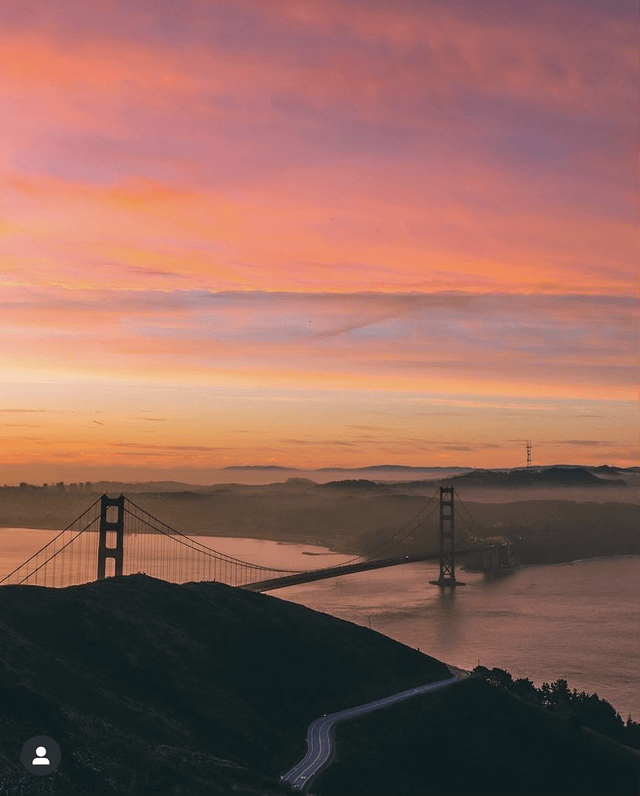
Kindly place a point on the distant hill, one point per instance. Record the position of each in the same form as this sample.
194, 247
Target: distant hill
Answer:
386, 467
258, 467
299, 483
359, 484
515, 476
143, 486
550, 476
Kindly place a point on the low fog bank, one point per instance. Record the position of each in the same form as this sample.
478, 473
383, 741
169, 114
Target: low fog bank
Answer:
550, 524
616, 494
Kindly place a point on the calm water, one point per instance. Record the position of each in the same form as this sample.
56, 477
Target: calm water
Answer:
578, 621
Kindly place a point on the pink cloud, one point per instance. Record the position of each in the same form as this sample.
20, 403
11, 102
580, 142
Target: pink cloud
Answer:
327, 194
391, 156
433, 48
543, 344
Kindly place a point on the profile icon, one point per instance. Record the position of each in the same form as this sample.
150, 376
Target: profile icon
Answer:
40, 755
40, 759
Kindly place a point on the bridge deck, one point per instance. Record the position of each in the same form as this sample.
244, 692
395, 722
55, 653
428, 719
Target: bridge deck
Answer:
345, 569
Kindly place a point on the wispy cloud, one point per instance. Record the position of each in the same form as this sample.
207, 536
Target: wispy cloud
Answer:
168, 448
22, 425
424, 213
585, 442
22, 411
552, 343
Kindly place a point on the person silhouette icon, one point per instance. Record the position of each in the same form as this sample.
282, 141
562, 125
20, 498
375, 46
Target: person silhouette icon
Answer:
40, 755
41, 759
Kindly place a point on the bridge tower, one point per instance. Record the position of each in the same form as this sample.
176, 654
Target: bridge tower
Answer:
111, 530
447, 540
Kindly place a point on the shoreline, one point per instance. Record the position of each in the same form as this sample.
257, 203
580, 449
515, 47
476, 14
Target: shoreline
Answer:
576, 561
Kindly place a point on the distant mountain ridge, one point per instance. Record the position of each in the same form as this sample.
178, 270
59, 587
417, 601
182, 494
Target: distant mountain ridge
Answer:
551, 476
547, 475
259, 467
369, 467
560, 476
392, 467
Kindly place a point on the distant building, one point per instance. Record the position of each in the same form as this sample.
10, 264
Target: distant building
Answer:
88, 486
60, 486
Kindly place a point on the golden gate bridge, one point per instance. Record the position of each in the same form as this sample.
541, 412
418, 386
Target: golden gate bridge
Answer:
114, 536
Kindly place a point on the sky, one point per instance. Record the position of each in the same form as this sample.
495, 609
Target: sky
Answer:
336, 232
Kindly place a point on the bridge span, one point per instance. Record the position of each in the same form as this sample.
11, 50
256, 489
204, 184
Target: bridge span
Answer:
348, 569
116, 537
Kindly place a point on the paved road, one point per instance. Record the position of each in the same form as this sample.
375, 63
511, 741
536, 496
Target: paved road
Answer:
319, 740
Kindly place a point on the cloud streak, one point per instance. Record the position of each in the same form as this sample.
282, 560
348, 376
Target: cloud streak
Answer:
427, 201
571, 343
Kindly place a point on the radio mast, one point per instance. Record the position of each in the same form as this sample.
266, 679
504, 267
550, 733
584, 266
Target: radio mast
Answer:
528, 443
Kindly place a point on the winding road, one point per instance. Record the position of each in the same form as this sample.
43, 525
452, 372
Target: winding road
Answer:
319, 734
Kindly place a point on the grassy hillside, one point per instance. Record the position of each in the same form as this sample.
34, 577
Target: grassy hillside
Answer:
474, 738
151, 687
155, 688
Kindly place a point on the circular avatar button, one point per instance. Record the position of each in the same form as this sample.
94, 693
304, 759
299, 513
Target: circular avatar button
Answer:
40, 755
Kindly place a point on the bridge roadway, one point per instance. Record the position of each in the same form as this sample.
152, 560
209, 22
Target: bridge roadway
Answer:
348, 569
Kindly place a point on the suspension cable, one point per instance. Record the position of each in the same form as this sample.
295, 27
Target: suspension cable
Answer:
192, 544
51, 557
55, 538
406, 529
474, 522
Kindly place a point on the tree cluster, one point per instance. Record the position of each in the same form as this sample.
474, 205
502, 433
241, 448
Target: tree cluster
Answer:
578, 708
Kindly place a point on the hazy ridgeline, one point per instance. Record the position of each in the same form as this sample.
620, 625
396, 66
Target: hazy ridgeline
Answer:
549, 524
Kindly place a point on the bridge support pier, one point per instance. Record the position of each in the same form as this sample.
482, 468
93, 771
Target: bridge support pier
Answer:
447, 540
110, 526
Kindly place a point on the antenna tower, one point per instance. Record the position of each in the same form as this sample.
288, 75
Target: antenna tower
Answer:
528, 443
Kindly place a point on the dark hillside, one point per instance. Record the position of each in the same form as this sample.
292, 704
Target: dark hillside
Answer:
152, 687
474, 738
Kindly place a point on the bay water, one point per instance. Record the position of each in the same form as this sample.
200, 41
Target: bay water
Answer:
578, 620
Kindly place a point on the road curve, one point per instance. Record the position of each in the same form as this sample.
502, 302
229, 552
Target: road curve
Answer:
320, 742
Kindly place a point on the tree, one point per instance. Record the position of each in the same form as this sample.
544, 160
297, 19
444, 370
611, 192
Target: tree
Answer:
579, 708
525, 689
498, 677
